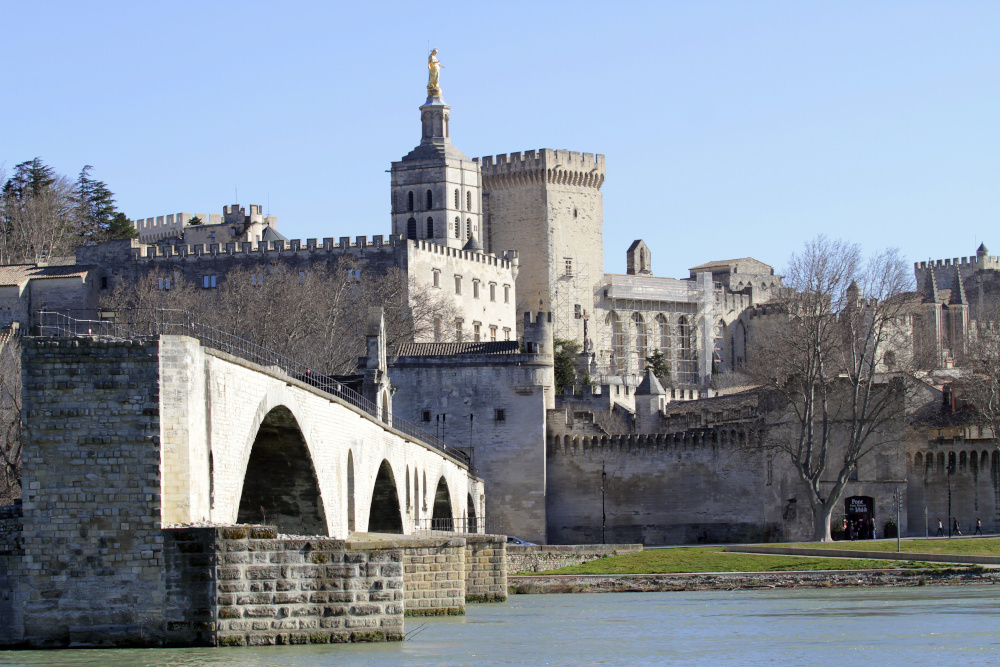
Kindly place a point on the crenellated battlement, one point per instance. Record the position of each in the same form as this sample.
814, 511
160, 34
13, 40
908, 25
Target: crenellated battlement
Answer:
545, 165
704, 440
945, 270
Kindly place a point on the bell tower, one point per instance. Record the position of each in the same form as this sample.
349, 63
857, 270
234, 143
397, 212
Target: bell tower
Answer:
436, 192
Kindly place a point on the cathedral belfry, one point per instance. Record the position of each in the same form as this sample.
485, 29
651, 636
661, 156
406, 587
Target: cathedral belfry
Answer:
436, 192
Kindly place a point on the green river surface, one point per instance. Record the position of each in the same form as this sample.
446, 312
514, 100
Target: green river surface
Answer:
932, 625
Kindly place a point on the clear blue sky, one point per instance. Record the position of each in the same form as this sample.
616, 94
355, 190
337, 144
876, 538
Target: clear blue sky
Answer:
730, 128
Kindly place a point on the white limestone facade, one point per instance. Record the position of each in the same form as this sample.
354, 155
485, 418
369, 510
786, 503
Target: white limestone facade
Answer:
234, 225
547, 205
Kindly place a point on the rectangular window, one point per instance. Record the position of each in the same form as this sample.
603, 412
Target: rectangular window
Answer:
104, 282
476, 329
493, 291
458, 331
506, 293
208, 282
577, 311
499, 415
475, 289
493, 333
569, 266
437, 278
426, 416
458, 285
506, 333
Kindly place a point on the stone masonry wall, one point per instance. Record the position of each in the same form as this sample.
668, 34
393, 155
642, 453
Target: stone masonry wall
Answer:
11, 551
92, 563
485, 568
435, 578
245, 586
542, 558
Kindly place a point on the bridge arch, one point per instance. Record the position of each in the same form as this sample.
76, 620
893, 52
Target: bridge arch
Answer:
385, 515
280, 485
473, 526
443, 516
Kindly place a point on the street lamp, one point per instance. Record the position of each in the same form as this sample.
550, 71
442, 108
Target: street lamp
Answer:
950, 469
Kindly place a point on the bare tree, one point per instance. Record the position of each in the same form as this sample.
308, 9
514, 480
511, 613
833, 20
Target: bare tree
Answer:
37, 223
821, 359
314, 315
10, 418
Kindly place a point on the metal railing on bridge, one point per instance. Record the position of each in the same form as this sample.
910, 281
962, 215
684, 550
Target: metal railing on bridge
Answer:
460, 525
181, 323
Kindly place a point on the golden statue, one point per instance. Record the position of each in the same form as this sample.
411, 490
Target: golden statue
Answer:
434, 72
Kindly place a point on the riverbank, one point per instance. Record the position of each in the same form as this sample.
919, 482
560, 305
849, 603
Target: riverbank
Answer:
730, 581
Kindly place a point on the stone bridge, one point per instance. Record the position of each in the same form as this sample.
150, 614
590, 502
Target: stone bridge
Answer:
140, 455
246, 444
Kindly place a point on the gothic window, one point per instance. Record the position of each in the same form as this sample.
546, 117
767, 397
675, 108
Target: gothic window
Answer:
468, 228
458, 227
456, 198
458, 285
475, 289
430, 200
409, 201
468, 200
493, 291
411, 229
506, 293
437, 277
430, 228
617, 340
685, 331
664, 327
640, 340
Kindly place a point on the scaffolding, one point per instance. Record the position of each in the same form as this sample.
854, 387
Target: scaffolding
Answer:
640, 315
572, 300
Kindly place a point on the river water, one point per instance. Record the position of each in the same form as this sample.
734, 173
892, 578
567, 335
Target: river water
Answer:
933, 625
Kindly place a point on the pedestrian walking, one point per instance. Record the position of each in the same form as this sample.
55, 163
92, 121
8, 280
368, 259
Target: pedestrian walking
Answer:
979, 526
956, 526
940, 532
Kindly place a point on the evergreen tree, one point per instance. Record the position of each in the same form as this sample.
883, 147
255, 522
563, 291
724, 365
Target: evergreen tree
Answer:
121, 227
660, 367
30, 179
95, 207
565, 362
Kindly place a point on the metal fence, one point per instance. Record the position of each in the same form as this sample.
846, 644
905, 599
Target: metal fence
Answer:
461, 525
150, 323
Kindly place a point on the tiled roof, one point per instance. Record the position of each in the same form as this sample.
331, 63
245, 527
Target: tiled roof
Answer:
18, 274
450, 349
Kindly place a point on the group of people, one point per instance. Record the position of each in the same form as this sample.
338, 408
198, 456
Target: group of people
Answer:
859, 529
956, 527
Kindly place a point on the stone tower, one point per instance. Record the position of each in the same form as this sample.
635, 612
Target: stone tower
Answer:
547, 205
435, 187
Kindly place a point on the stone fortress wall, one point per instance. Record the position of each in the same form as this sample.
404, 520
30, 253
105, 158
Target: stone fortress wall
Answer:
946, 269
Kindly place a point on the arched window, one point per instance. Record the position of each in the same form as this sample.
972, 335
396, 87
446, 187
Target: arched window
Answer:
430, 228
350, 491
409, 200
740, 344
617, 341
468, 200
640, 341
458, 227
686, 334
664, 332
456, 198
468, 228
430, 200
411, 229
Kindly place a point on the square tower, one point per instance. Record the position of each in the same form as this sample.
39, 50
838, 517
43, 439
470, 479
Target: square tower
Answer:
435, 188
547, 205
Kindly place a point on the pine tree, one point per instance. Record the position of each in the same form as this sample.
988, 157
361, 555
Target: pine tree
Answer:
121, 227
30, 179
95, 207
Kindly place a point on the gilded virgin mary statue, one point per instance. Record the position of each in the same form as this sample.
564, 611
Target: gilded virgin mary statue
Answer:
433, 74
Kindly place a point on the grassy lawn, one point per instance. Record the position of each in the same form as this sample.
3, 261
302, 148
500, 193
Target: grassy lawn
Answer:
712, 559
989, 546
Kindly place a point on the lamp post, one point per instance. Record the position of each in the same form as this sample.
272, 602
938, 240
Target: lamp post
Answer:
950, 470
604, 476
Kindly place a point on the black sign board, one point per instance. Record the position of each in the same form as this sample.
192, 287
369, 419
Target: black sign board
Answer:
859, 505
